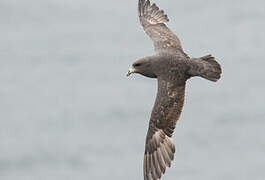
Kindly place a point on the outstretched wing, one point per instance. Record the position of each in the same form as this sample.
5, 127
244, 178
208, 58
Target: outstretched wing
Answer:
159, 148
152, 20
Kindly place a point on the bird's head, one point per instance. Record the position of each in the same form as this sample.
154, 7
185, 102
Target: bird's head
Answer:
144, 67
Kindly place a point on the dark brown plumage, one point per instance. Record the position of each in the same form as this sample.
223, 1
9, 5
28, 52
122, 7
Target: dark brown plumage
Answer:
172, 68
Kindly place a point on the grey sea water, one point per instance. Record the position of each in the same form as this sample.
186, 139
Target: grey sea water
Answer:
67, 111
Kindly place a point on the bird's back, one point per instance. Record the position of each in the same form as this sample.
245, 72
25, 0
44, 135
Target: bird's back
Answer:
173, 68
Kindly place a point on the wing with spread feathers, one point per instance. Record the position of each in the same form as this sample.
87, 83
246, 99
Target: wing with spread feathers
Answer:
159, 148
153, 21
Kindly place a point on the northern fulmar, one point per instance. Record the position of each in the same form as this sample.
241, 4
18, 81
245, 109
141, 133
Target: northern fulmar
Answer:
172, 68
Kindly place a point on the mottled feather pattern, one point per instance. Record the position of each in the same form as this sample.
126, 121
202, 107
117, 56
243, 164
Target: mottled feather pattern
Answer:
152, 20
172, 67
159, 150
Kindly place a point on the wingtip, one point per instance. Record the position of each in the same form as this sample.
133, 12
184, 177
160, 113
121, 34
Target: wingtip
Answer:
151, 14
158, 156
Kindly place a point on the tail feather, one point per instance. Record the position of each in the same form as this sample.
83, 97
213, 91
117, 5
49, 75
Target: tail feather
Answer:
206, 67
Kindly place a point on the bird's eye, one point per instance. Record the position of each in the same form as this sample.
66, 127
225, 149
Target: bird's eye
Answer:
137, 64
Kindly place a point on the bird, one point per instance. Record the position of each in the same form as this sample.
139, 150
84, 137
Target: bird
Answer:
172, 67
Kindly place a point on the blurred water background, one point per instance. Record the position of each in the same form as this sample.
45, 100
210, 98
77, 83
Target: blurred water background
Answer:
67, 111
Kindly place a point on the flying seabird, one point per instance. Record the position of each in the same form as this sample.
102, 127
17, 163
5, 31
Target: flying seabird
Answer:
172, 68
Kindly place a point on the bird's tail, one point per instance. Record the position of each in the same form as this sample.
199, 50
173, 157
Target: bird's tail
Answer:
206, 67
